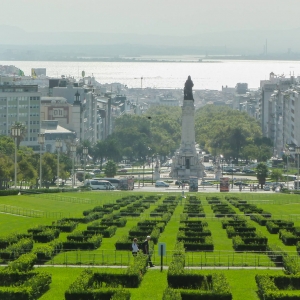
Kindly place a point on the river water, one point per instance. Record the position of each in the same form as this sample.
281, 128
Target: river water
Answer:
205, 75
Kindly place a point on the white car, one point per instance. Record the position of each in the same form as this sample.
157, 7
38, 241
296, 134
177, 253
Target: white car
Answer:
161, 184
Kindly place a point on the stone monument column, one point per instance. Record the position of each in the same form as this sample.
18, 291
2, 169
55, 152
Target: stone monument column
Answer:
186, 161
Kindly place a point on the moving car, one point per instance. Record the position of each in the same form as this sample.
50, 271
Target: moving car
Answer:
161, 184
99, 184
206, 183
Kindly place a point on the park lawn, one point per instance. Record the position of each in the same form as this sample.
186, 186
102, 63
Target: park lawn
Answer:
11, 224
285, 211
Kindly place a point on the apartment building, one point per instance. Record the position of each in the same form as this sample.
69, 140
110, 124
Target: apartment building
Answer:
21, 103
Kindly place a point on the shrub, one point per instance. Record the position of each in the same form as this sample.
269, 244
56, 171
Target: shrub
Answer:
9, 192
15, 250
24, 263
46, 252
171, 294
278, 287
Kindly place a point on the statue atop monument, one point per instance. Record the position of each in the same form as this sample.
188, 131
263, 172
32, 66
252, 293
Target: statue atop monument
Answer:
188, 89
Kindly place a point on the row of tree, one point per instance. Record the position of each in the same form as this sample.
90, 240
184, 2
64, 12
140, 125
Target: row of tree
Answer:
28, 163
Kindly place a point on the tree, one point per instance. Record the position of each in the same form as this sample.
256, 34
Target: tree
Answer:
7, 145
262, 173
110, 169
222, 130
276, 175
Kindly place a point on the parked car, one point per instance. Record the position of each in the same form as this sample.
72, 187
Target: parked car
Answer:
123, 170
248, 171
267, 188
241, 183
161, 184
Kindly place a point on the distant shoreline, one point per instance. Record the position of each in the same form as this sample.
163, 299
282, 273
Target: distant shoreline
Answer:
206, 60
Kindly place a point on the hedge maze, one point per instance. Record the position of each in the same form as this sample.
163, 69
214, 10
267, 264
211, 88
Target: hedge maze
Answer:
199, 221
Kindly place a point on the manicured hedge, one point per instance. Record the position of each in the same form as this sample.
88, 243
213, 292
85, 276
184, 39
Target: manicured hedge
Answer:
36, 284
88, 284
46, 252
13, 238
106, 232
13, 251
256, 244
261, 220
274, 226
288, 238
9, 192
284, 287
90, 244
64, 226
46, 235
19, 282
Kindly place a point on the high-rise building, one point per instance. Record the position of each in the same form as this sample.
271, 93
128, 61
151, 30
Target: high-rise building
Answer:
21, 103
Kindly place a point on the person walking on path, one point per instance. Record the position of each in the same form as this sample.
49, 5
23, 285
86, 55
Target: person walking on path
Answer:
146, 250
135, 247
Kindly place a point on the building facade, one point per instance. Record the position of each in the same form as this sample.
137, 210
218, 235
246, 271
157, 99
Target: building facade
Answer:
21, 103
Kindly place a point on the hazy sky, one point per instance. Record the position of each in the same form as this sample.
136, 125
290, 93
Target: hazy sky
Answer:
164, 17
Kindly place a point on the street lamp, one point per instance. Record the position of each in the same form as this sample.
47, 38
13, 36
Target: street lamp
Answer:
231, 172
85, 153
73, 151
41, 141
16, 133
287, 153
152, 168
58, 145
298, 152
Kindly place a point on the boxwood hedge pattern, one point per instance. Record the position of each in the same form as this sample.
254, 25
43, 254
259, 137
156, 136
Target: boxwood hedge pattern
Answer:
194, 232
18, 281
278, 287
92, 284
153, 228
192, 284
